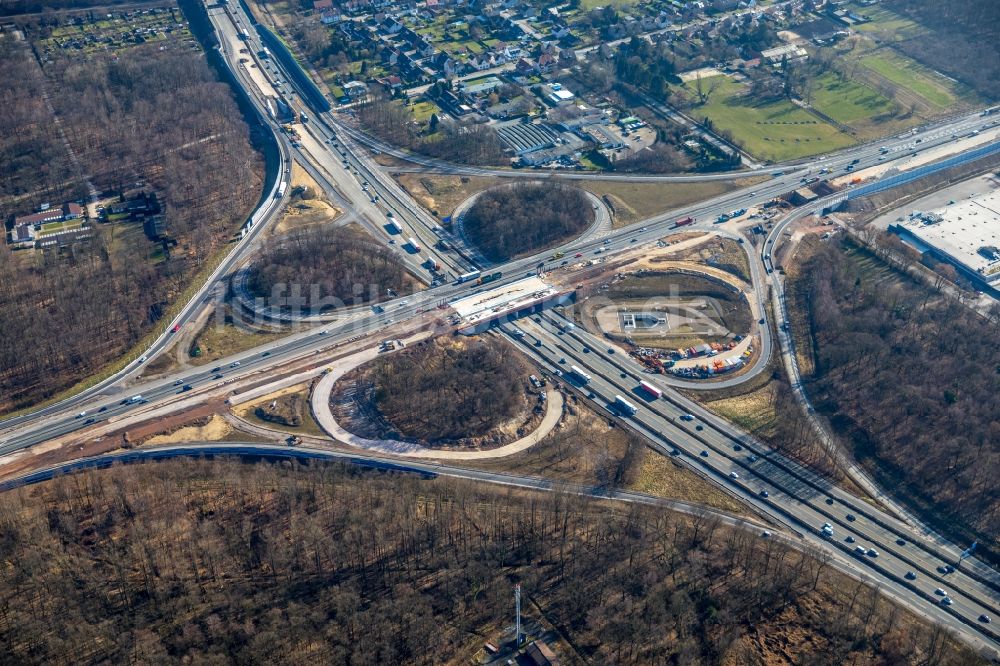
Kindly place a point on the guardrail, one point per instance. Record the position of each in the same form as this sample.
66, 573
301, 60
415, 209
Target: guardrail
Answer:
920, 172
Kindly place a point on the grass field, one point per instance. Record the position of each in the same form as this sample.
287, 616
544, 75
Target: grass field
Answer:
934, 88
888, 23
847, 101
219, 341
56, 227
774, 131
641, 200
587, 5
754, 411
423, 110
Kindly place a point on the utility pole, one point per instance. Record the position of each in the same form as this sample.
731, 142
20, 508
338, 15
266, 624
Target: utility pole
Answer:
517, 616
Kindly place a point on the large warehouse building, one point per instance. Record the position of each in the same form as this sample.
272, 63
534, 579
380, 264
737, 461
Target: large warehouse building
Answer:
965, 234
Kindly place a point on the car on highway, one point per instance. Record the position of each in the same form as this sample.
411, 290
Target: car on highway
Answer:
88, 421
586, 350
234, 364
765, 494
81, 415
611, 350
217, 376
940, 592
734, 475
185, 388
142, 359
946, 601
578, 255
872, 552
704, 453
850, 517
265, 354
900, 542
985, 619
687, 417
859, 551
849, 539
910, 576
737, 447
699, 427
178, 382
103, 409
752, 458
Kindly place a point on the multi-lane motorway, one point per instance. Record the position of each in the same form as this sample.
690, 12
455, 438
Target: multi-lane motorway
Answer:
796, 496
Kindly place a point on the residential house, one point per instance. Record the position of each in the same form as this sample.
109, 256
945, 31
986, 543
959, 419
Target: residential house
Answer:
546, 63
355, 89
526, 67
390, 26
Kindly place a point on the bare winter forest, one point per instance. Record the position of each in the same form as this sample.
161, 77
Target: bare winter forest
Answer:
910, 378
235, 563
512, 221
105, 123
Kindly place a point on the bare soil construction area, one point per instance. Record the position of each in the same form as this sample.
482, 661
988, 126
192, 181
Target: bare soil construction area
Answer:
668, 310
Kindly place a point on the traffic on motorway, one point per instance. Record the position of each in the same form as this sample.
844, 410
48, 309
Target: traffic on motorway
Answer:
823, 514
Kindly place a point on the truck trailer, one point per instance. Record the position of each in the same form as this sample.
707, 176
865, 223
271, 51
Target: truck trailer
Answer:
625, 406
584, 377
413, 243
469, 277
684, 222
395, 227
650, 389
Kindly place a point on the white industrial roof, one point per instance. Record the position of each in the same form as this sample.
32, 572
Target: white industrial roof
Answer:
509, 297
965, 228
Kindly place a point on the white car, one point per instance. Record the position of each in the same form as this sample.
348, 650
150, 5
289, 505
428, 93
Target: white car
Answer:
734, 475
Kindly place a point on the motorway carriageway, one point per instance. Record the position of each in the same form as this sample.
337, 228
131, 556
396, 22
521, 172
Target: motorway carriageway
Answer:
655, 229
797, 496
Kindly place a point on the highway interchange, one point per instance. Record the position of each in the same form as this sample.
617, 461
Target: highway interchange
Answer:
797, 498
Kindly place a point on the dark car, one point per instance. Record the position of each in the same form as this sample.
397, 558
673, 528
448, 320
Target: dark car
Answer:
737, 447
217, 376
764, 494
217, 368
704, 454
186, 387
850, 517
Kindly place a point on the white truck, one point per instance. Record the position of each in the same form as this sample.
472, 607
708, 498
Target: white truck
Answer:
584, 377
625, 406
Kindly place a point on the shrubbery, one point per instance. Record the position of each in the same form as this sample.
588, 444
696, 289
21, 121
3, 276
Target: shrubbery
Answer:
323, 268
511, 221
